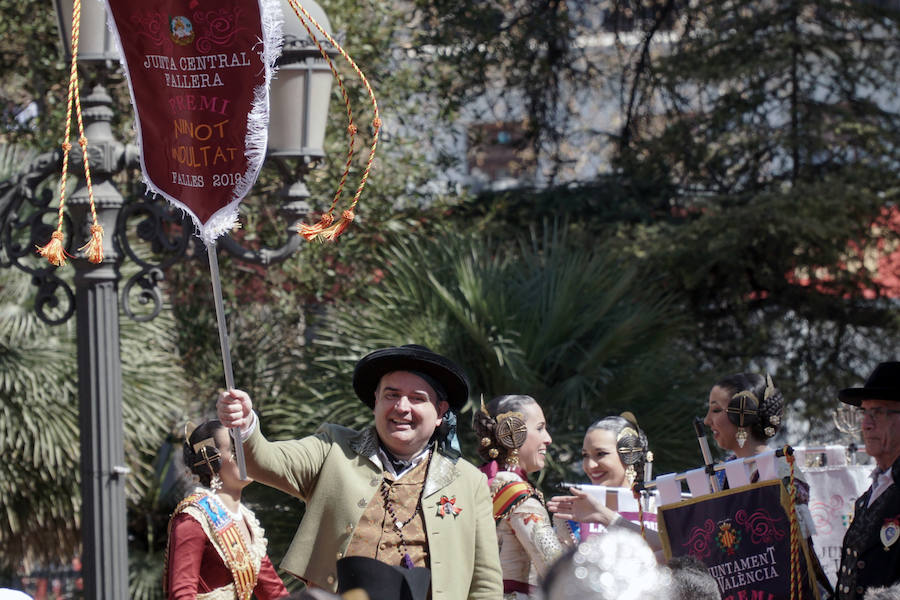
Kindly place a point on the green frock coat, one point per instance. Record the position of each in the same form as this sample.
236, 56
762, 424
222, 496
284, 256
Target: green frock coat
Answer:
336, 472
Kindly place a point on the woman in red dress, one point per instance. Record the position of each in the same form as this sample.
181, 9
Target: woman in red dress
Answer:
216, 548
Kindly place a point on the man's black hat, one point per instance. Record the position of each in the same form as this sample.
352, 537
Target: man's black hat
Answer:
882, 384
417, 359
382, 581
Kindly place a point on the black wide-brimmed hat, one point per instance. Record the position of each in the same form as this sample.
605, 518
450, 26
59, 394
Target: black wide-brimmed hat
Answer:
382, 581
372, 367
882, 384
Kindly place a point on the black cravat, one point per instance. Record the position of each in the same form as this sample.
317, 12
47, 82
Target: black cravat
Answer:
398, 464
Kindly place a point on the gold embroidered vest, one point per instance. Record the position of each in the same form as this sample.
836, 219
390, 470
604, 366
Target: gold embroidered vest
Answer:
377, 534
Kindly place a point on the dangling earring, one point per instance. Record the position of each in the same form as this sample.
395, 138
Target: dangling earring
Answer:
512, 460
215, 484
741, 436
630, 474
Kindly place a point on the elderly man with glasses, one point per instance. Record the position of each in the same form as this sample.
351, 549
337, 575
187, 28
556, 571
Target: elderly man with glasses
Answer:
870, 555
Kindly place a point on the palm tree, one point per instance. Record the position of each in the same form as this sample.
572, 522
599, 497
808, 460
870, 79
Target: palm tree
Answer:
39, 433
586, 335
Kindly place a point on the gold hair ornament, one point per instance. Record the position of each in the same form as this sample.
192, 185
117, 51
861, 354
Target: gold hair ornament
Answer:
770, 387
630, 475
210, 441
742, 409
189, 428
511, 430
774, 420
512, 459
628, 450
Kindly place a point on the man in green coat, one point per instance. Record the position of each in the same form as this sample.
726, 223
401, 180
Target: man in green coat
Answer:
394, 491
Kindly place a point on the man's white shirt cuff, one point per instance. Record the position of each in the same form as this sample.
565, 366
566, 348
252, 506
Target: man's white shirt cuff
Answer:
246, 432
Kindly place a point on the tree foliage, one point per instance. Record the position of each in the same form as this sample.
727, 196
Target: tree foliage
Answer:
31, 70
771, 130
40, 492
584, 334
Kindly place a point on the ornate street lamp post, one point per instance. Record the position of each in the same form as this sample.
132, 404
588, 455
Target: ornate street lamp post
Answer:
24, 216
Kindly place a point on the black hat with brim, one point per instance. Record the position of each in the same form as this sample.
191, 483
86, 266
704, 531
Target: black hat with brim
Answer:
382, 581
882, 384
372, 367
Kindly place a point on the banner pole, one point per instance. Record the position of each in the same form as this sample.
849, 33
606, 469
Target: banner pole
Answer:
226, 351
707, 455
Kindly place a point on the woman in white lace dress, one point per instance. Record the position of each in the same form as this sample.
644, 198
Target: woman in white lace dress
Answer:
513, 440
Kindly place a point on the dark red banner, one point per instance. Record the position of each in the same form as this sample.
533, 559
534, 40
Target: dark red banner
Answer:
198, 73
743, 538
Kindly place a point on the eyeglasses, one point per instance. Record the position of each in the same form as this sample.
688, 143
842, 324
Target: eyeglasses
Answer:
878, 413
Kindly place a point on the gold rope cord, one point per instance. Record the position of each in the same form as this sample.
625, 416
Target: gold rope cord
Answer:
795, 530
54, 250
326, 228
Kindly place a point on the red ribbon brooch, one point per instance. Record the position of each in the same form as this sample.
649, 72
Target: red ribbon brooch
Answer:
447, 506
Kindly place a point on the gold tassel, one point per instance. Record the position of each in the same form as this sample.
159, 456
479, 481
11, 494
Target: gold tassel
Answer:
311, 232
54, 251
94, 246
334, 231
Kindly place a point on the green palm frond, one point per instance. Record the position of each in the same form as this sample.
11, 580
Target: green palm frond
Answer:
38, 432
39, 425
583, 333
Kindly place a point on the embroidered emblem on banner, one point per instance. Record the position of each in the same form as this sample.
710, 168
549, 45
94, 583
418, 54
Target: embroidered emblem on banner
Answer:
890, 532
728, 539
182, 30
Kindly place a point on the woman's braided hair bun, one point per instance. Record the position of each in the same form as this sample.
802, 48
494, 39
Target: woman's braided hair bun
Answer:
771, 409
199, 451
485, 425
755, 403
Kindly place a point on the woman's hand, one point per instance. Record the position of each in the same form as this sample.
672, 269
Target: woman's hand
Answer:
234, 409
581, 507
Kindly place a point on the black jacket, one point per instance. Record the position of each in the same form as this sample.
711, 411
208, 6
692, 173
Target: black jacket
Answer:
865, 562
